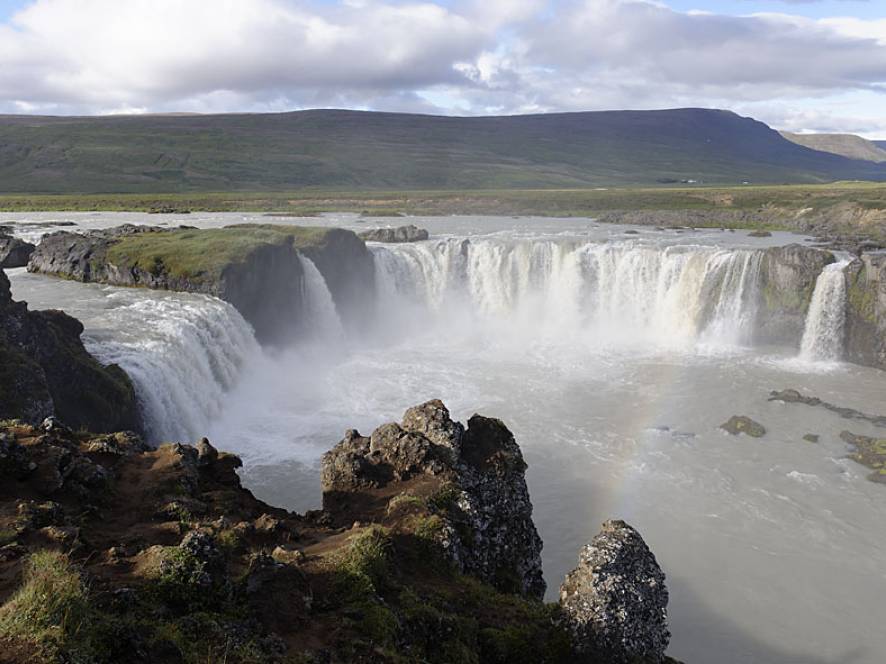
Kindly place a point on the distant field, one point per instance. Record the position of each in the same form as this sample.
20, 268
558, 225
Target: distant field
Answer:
543, 202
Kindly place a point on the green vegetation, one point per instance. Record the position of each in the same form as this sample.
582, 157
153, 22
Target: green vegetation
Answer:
204, 253
545, 202
51, 609
326, 149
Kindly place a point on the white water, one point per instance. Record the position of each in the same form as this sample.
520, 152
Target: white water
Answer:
613, 358
325, 323
823, 333
622, 293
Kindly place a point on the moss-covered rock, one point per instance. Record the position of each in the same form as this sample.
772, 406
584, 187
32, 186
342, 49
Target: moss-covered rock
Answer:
866, 310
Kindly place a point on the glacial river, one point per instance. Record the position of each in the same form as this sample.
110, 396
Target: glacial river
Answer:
612, 353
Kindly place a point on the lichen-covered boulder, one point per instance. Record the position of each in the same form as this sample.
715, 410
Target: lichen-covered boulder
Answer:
743, 424
614, 603
483, 505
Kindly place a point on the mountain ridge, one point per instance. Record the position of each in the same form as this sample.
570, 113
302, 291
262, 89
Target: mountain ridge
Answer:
366, 150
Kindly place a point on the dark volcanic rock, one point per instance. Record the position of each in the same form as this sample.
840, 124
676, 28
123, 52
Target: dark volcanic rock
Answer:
487, 516
743, 424
45, 370
787, 281
410, 233
866, 310
615, 602
14, 252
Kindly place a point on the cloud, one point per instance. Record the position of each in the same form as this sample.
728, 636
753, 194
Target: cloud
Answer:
465, 56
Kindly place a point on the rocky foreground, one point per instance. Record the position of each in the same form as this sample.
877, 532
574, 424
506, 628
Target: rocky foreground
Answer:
424, 551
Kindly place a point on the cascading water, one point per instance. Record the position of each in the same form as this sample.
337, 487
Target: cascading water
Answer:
320, 315
623, 291
182, 364
823, 332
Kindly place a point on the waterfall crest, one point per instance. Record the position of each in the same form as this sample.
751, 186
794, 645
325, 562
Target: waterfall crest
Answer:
182, 363
670, 295
826, 318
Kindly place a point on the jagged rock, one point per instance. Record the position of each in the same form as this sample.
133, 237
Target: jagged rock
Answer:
743, 424
45, 371
206, 453
615, 602
14, 252
488, 529
410, 233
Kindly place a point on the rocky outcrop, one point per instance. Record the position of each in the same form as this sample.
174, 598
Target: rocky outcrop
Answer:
45, 370
615, 602
787, 281
485, 517
183, 561
255, 267
14, 252
866, 310
410, 233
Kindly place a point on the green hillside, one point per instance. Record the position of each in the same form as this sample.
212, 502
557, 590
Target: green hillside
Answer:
846, 145
352, 150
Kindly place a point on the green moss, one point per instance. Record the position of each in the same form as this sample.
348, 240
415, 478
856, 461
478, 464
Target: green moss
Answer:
404, 501
203, 254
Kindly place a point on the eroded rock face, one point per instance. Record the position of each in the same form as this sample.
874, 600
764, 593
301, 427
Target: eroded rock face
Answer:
14, 252
866, 310
410, 233
45, 370
615, 602
787, 281
487, 528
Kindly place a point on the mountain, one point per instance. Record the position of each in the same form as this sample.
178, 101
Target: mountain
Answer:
846, 145
337, 149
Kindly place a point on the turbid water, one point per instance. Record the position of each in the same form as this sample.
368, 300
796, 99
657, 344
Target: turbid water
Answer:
613, 356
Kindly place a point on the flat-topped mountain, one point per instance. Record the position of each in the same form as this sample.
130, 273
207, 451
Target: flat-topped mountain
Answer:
339, 149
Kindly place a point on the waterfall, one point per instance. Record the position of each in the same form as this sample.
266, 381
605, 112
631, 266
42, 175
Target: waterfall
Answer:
826, 318
603, 291
181, 363
323, 322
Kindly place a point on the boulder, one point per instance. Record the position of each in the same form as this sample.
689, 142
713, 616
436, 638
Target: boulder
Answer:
743, 424
410, 233
487, 528
614, 604
14, 252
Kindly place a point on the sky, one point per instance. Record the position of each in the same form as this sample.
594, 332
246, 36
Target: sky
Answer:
800, 65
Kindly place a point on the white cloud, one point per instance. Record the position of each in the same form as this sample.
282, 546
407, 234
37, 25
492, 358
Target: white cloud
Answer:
467, 56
